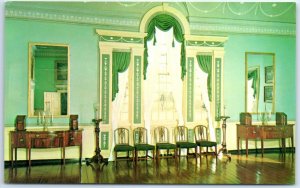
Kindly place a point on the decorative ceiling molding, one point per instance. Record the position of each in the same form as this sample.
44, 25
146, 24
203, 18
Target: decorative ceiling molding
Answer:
245, 27
72, 18
198, 25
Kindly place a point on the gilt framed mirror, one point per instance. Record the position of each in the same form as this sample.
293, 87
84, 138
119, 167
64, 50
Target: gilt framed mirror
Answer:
48, 79
259, 82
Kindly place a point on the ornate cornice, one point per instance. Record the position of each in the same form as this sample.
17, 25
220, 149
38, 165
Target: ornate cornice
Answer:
246, 28
197, 25
72, 18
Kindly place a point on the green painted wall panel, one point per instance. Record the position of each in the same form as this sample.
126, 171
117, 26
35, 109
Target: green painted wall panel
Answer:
137, 90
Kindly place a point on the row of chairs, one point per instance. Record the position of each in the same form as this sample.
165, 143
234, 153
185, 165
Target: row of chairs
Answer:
162, 142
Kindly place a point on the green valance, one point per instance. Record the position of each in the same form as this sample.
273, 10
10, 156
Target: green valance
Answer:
120, 63
165, 22
253, 74
204, 62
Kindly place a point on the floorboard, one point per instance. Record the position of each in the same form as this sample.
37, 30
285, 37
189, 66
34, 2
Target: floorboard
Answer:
273, 168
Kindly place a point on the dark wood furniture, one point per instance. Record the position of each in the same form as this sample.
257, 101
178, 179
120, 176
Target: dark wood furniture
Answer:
73, 122
201, 137
38, 138
97, 159
259, 132
140, 140
162, 139
121, 137
182, 142
20, 123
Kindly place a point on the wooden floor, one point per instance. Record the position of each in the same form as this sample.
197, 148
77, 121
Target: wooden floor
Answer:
271, 169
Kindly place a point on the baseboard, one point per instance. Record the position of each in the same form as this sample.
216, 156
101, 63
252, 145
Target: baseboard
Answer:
266, 150
24, 163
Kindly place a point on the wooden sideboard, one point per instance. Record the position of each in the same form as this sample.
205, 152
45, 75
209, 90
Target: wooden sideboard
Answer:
262, 132
37, 138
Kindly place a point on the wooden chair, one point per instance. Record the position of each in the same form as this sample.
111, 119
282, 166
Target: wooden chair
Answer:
161, 136
201, 138
121, 138
140, 140
181, 139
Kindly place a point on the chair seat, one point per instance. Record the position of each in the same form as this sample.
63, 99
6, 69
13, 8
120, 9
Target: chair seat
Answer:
143, 147
205, 143
186, 144
123, 147
165, 146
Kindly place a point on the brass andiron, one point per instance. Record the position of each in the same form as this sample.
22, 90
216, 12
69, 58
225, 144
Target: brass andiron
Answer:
97, 158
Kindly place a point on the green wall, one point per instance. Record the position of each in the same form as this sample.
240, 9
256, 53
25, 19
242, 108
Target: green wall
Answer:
84, 50
84, 67
285, 60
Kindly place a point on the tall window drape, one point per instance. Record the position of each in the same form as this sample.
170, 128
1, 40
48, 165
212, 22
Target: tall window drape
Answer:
165, 22
120, 63
253, 75
205, 63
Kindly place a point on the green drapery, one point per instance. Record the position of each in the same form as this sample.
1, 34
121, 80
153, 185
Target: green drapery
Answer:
253, 74
120, 63
204, 62
165, 22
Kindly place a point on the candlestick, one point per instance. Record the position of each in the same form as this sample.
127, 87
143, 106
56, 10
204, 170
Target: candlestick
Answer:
96, 111
43, 118
39, 118
51, 120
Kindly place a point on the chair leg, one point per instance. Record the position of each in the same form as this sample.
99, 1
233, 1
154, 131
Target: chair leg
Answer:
187, 154
132, 153
116, 156
200, 153
127, 157
136, 155
216, 153
153, 154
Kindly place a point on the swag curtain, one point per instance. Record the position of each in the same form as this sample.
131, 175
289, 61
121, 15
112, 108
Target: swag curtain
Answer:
205, 64
165, 22
253, 75
117, 106
120, 63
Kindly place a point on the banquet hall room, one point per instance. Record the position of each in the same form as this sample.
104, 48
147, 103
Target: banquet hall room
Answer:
130, 92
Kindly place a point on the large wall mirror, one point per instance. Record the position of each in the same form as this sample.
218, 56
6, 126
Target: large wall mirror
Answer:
259, 82
48, 87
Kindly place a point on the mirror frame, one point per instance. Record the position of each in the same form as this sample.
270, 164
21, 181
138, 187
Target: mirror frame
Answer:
30, 72
261, 81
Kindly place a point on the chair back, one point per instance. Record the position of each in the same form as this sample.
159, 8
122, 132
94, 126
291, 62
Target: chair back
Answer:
140, 135
161, 134
181, 134
121, 136
200, 133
